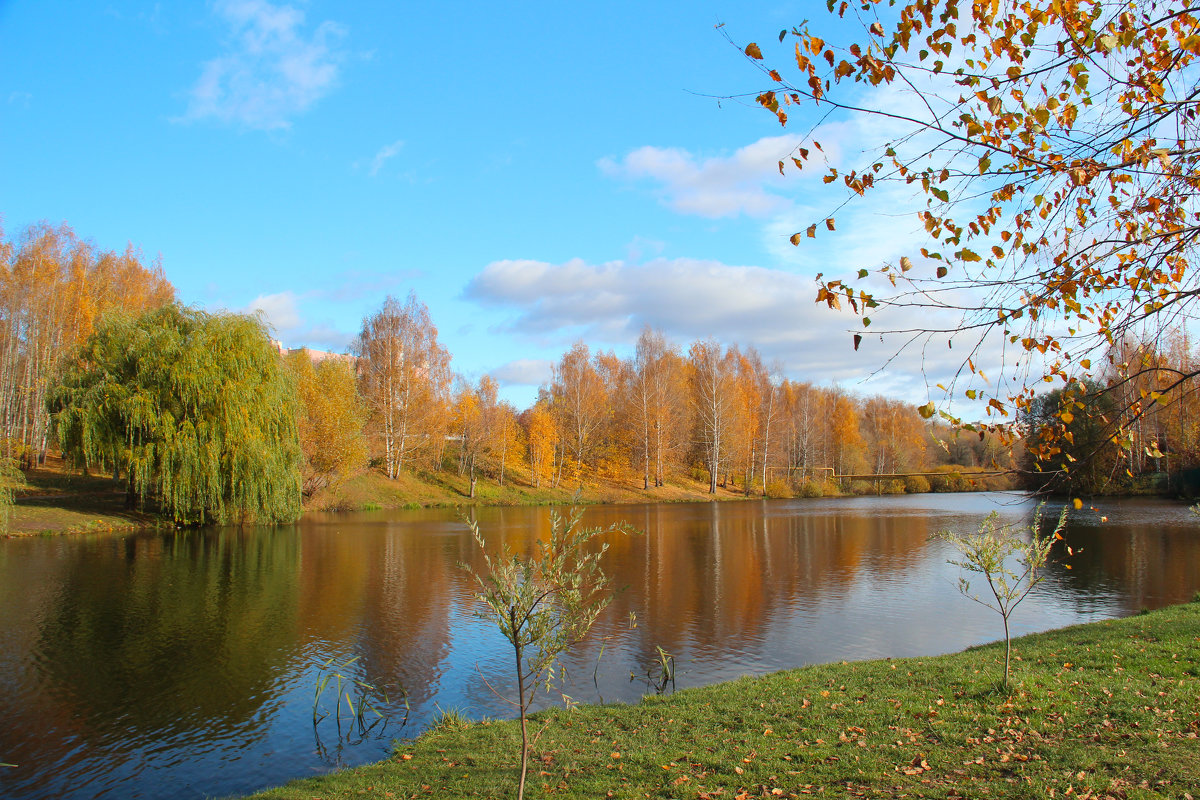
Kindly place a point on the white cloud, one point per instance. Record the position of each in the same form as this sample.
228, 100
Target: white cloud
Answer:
386, 152
773, 309
523, 372
688, 299
294, 327
280, 310
747, 182
271, 70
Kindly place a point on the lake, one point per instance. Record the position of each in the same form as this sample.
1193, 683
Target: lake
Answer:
186, 664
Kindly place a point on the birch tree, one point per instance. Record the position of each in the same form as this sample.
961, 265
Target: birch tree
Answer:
656, 402
579, 402
330, 420
405, 374
54, 289
1054, 146
540, 436
477, 423
711, 374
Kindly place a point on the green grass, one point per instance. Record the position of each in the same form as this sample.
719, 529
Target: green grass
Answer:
55, 500
1108, 709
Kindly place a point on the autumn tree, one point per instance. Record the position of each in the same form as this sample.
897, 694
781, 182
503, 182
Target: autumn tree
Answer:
656, 402
799, 407
711, 374
579, 402
405, 377
847, 449
755, 412
1055, 146
54, 289
476, 420
330, 420
510, 439
894, 435
194, 409
540, 438
1086, 442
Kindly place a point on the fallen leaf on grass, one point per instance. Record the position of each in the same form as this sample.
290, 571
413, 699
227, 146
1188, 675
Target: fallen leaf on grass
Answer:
916, 767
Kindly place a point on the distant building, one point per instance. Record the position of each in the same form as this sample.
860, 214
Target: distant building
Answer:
317, 356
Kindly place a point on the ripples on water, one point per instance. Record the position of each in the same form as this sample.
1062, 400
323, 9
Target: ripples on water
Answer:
177, 665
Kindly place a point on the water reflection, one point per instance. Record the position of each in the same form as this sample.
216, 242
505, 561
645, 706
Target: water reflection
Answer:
164, 664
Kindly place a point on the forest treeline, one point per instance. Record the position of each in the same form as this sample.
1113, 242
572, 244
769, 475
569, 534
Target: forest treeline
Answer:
711, 412
54, 288
203, 416
1134, 428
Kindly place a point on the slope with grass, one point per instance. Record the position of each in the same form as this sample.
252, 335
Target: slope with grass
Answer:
1109, 709
56, 499
53, 499
374, 490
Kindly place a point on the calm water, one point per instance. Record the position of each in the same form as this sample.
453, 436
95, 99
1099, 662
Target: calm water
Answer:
185, 665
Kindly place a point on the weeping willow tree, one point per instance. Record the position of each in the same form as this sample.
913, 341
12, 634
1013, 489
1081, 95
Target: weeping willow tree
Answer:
194, 410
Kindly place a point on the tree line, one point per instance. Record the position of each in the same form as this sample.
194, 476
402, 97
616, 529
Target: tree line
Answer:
54, 288
200, 417
1132, 427
711, 412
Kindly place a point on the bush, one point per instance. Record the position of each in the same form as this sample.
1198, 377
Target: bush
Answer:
861, 488
811, 488
948, 480
778, 488
917, 484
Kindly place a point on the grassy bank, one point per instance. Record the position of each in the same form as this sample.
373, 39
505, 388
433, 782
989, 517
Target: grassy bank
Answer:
448, 488
53, 500
1105, 710
56, 499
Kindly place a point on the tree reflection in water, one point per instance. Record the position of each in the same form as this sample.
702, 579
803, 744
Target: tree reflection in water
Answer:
170, 662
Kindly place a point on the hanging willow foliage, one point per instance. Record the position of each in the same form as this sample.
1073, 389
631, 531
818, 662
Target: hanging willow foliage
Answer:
194, 409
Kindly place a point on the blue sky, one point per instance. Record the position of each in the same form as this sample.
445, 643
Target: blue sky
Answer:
535, 172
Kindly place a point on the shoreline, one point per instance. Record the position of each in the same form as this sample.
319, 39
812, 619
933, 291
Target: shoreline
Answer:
1104, 709
59, 503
